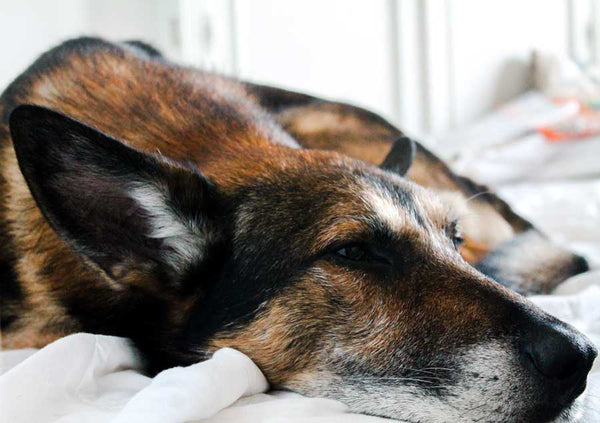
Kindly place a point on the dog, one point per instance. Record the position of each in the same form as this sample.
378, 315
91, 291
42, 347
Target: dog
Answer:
190, 212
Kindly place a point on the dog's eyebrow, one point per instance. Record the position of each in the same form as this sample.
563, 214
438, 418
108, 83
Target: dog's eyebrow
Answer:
343, 229
395, 208
356, 229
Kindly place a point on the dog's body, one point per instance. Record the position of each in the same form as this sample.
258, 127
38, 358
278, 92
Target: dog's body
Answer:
207, 225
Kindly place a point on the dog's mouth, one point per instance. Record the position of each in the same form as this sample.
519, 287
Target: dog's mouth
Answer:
499, 412
489, 385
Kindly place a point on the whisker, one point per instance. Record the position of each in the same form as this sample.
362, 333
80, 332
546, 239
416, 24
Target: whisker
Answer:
430, 383
478, 195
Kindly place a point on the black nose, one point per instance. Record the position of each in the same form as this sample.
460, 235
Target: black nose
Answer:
561, 356
580, 265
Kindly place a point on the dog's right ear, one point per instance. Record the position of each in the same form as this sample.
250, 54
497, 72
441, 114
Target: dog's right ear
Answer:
126, 212
400, 156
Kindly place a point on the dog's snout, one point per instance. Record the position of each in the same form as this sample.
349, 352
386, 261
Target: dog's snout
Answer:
561, 357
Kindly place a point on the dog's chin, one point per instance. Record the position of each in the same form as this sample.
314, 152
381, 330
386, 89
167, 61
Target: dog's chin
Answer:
574, 413
407, 405
490, 387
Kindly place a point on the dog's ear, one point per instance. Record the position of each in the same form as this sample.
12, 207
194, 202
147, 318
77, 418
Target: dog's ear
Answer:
400, 156
123, 210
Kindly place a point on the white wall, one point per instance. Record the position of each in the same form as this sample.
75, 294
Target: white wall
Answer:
29, 28
429, 65
334, 48
491, 49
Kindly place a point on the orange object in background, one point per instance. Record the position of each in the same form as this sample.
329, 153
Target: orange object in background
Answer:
585, 123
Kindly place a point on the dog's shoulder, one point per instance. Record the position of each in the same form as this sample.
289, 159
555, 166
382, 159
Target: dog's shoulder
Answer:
129, 91
50, 62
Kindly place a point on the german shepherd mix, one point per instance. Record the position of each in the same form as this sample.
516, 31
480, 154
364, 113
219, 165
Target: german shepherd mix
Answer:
179, 209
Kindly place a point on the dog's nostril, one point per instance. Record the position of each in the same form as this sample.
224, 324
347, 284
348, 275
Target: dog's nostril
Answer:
563, 359
580, 264
554, 364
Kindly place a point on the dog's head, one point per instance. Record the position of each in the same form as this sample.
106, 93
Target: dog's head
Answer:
337, 278
502, 244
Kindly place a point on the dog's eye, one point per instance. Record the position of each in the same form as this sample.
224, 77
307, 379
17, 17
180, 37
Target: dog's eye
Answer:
362, 253
352, 252
458, 240
455, 233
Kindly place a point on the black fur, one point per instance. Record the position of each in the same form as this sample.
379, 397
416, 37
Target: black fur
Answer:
400, 156
146, 48
10, 293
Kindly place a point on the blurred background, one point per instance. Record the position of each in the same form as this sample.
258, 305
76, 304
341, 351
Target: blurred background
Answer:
427, 65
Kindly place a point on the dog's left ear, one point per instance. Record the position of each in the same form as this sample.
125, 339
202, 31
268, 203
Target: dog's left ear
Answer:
135, 217
400, 156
